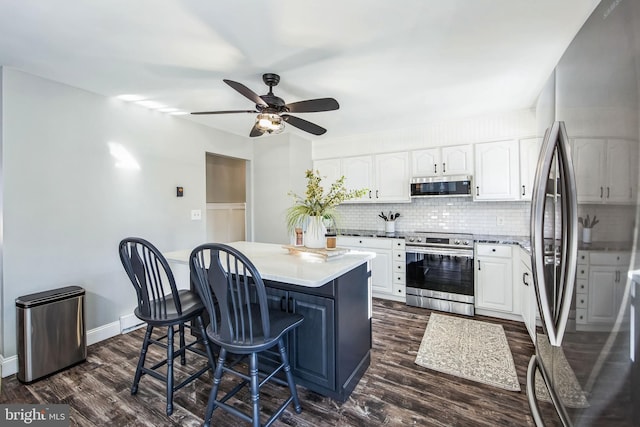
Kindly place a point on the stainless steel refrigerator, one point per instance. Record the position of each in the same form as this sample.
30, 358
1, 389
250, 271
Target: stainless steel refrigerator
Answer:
585, 221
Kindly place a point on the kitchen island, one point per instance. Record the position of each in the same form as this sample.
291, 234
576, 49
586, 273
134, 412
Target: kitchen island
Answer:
330, 351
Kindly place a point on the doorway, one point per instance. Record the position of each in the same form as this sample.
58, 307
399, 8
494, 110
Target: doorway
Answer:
226, 198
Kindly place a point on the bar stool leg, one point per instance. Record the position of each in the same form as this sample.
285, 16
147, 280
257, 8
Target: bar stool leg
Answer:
170, 370
141, 360
211, 404
289, 375
255, 388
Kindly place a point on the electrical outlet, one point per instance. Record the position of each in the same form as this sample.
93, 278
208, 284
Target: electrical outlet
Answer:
499, 220
196, 215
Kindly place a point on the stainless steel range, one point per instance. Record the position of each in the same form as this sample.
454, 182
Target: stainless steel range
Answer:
440, 271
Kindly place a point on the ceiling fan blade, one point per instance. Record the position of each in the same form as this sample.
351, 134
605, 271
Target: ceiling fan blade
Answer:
255, 131
303, 124
313, 105
246, 92
225, 112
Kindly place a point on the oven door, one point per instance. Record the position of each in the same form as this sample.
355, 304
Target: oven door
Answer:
444, 273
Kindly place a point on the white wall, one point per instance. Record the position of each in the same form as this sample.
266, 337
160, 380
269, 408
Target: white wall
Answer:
279, 166
67, 205
495, 127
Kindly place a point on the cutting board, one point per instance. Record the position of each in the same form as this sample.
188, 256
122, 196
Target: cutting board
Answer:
327, 254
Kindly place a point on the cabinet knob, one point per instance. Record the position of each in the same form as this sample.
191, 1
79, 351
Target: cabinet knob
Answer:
581, 317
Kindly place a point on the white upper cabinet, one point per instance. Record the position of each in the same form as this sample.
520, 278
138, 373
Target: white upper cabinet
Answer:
620, 170
385, 175
392, 177
496, 171
330, 170
606, 170
358, 172
529, 153
454, 160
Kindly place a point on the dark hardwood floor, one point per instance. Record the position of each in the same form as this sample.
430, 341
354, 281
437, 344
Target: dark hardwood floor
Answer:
393, 392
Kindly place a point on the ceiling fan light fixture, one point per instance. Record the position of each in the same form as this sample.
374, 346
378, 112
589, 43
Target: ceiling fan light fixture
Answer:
270, 123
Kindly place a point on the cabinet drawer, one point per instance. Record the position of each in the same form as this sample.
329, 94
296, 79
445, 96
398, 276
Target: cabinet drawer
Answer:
581, 315
503, 251
399, 267
581, 286
399, 278
398, 244
581, 301
610, 258
582, 272
399, 290
583, 257
399, 256
365, 242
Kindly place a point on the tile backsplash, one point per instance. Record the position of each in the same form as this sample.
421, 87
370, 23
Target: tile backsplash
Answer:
463, 215
447, 214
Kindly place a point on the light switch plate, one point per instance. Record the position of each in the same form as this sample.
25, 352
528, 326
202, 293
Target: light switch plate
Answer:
499, 220
196, 215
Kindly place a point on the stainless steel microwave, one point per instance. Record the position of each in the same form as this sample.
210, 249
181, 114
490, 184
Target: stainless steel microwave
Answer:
443, 186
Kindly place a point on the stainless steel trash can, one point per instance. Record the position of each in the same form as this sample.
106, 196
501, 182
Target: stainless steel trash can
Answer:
50, 331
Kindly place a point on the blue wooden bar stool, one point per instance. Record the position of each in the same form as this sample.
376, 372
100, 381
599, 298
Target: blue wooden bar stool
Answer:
241, 325
161, 304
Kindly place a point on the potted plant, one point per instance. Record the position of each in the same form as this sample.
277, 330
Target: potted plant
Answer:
317, 206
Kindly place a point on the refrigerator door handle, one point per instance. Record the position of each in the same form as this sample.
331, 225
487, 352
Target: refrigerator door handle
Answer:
554, 299
531, 394
534, 366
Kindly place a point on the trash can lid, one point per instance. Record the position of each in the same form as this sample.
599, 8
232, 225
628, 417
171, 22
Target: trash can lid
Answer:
49, 296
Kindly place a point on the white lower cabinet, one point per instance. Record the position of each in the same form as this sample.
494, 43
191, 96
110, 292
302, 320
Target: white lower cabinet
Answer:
528, 305
387, 268
494, 277
600, 285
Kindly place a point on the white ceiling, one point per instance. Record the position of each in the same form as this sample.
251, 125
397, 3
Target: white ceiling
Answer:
390, 64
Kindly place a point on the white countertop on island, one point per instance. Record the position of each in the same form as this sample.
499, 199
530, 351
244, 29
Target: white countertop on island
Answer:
274, 263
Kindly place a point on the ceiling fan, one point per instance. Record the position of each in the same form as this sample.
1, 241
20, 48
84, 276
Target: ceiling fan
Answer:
273, 112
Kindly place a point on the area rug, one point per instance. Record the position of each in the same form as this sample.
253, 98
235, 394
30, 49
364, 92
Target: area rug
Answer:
566, 384
470, 349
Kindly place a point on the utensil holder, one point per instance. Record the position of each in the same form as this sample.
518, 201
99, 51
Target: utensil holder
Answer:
586, 235
390, 226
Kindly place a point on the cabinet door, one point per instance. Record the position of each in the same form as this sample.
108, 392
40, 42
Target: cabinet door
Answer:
619, 172
589, 165
392, 178
312, 344
602, 301
497, 174
457, 160
527, 298
381, 274
358, 172
330, 171
426, 162
529, 153
493, 285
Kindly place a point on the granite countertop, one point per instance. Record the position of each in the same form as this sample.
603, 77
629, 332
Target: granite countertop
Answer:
522, 241
371, 233
275, 263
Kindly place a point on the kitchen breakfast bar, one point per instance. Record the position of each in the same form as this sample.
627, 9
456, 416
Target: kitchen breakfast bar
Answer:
330, 351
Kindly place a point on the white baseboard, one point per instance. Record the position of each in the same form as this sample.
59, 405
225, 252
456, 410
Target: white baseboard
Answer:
9, 365
130, 323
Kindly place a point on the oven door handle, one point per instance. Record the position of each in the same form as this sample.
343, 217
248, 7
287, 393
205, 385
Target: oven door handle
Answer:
439, 251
